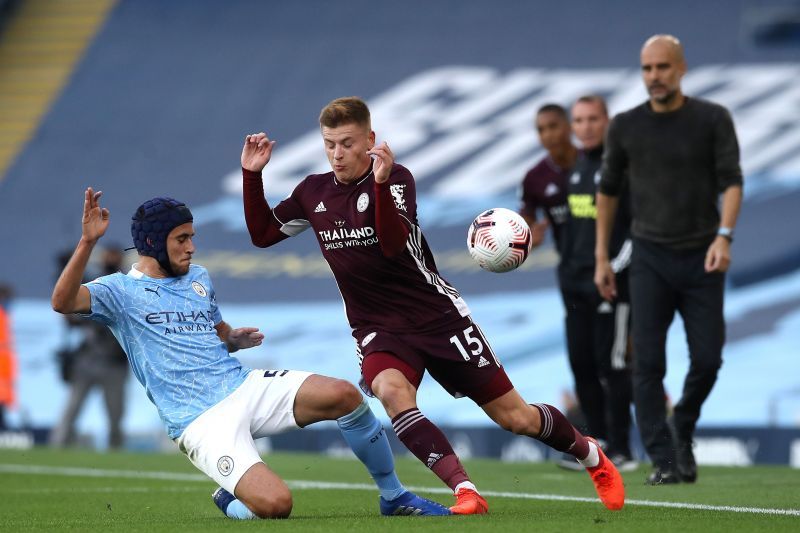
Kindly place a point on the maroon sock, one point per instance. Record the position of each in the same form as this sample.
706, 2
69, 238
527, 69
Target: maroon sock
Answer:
559, 434
429, 445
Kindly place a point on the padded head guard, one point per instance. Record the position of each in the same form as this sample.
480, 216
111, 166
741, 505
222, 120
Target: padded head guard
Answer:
151, 224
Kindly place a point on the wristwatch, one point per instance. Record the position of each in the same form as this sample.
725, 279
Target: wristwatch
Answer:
726, 233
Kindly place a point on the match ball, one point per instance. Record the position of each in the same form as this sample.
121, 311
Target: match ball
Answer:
499, 240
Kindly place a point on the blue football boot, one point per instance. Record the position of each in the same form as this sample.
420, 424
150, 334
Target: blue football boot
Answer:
411, 504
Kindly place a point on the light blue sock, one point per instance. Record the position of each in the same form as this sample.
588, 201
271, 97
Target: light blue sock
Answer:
366, 437
238, 510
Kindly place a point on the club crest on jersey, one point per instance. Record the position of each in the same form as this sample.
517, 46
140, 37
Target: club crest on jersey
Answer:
368, 338
199, 289
225, 465
363, 202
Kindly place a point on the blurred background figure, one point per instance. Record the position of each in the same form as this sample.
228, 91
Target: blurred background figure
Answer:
97, 360
544, 186
596, 330
8, 358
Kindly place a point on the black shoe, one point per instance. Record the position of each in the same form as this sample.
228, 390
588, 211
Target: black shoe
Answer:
568, 462
684, 459
686, 466
624, 462
662, 477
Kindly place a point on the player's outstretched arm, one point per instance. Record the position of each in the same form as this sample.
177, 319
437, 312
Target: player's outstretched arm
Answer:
239, 338
69, 296
256, 154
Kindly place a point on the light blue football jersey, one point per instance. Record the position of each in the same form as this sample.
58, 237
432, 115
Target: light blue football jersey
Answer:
166, 326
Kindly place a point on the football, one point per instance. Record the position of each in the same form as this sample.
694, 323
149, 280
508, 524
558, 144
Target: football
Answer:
499, 240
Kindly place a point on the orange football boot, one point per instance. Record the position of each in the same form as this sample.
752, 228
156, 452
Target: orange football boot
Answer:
607, 481
469, 502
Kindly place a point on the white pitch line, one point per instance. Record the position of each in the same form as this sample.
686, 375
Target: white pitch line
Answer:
300, 484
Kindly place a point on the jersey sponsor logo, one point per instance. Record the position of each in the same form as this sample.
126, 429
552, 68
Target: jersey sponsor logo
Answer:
339, 223
582, 206
363, 202
320, 208
551, 189
199, 289
225, 465
482, 362
368, 338
168, 317
397, 193
347, 238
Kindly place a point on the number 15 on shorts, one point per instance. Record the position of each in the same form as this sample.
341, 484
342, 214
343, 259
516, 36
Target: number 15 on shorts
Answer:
473, 343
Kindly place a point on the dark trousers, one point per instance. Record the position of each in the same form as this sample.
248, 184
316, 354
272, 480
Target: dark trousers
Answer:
111, 378
597, 342
662, 281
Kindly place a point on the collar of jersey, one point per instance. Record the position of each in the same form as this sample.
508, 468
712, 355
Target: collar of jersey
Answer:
355, 183
138, 274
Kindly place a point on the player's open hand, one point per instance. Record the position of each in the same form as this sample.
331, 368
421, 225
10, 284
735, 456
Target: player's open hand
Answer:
245, 337
718, 257
95, 218
256, 151
384, 159
605, 280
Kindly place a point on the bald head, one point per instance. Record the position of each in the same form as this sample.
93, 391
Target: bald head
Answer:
663, 67
666, 43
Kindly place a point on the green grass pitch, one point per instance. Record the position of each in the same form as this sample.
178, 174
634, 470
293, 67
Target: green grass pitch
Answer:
80, 491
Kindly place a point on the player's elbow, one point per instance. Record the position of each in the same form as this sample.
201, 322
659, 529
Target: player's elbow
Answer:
259, 241
60, 304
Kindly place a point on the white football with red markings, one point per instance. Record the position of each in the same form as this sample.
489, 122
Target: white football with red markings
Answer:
499, 240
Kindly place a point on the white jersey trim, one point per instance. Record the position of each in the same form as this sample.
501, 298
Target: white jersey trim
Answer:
414, 246
293, 227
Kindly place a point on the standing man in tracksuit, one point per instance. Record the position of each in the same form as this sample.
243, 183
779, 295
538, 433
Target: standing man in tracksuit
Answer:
597, 330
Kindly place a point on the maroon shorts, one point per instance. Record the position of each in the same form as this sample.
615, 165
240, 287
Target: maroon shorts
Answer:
459, 358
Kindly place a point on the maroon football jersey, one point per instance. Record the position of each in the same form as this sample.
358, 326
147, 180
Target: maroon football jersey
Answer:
545, 187
403, 293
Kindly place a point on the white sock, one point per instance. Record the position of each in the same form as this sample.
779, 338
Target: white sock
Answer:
465, 485
593, 459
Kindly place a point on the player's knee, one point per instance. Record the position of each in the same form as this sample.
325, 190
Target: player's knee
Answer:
646, 369
518, 421
347, 396
276, 504
392, 393
708, 366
